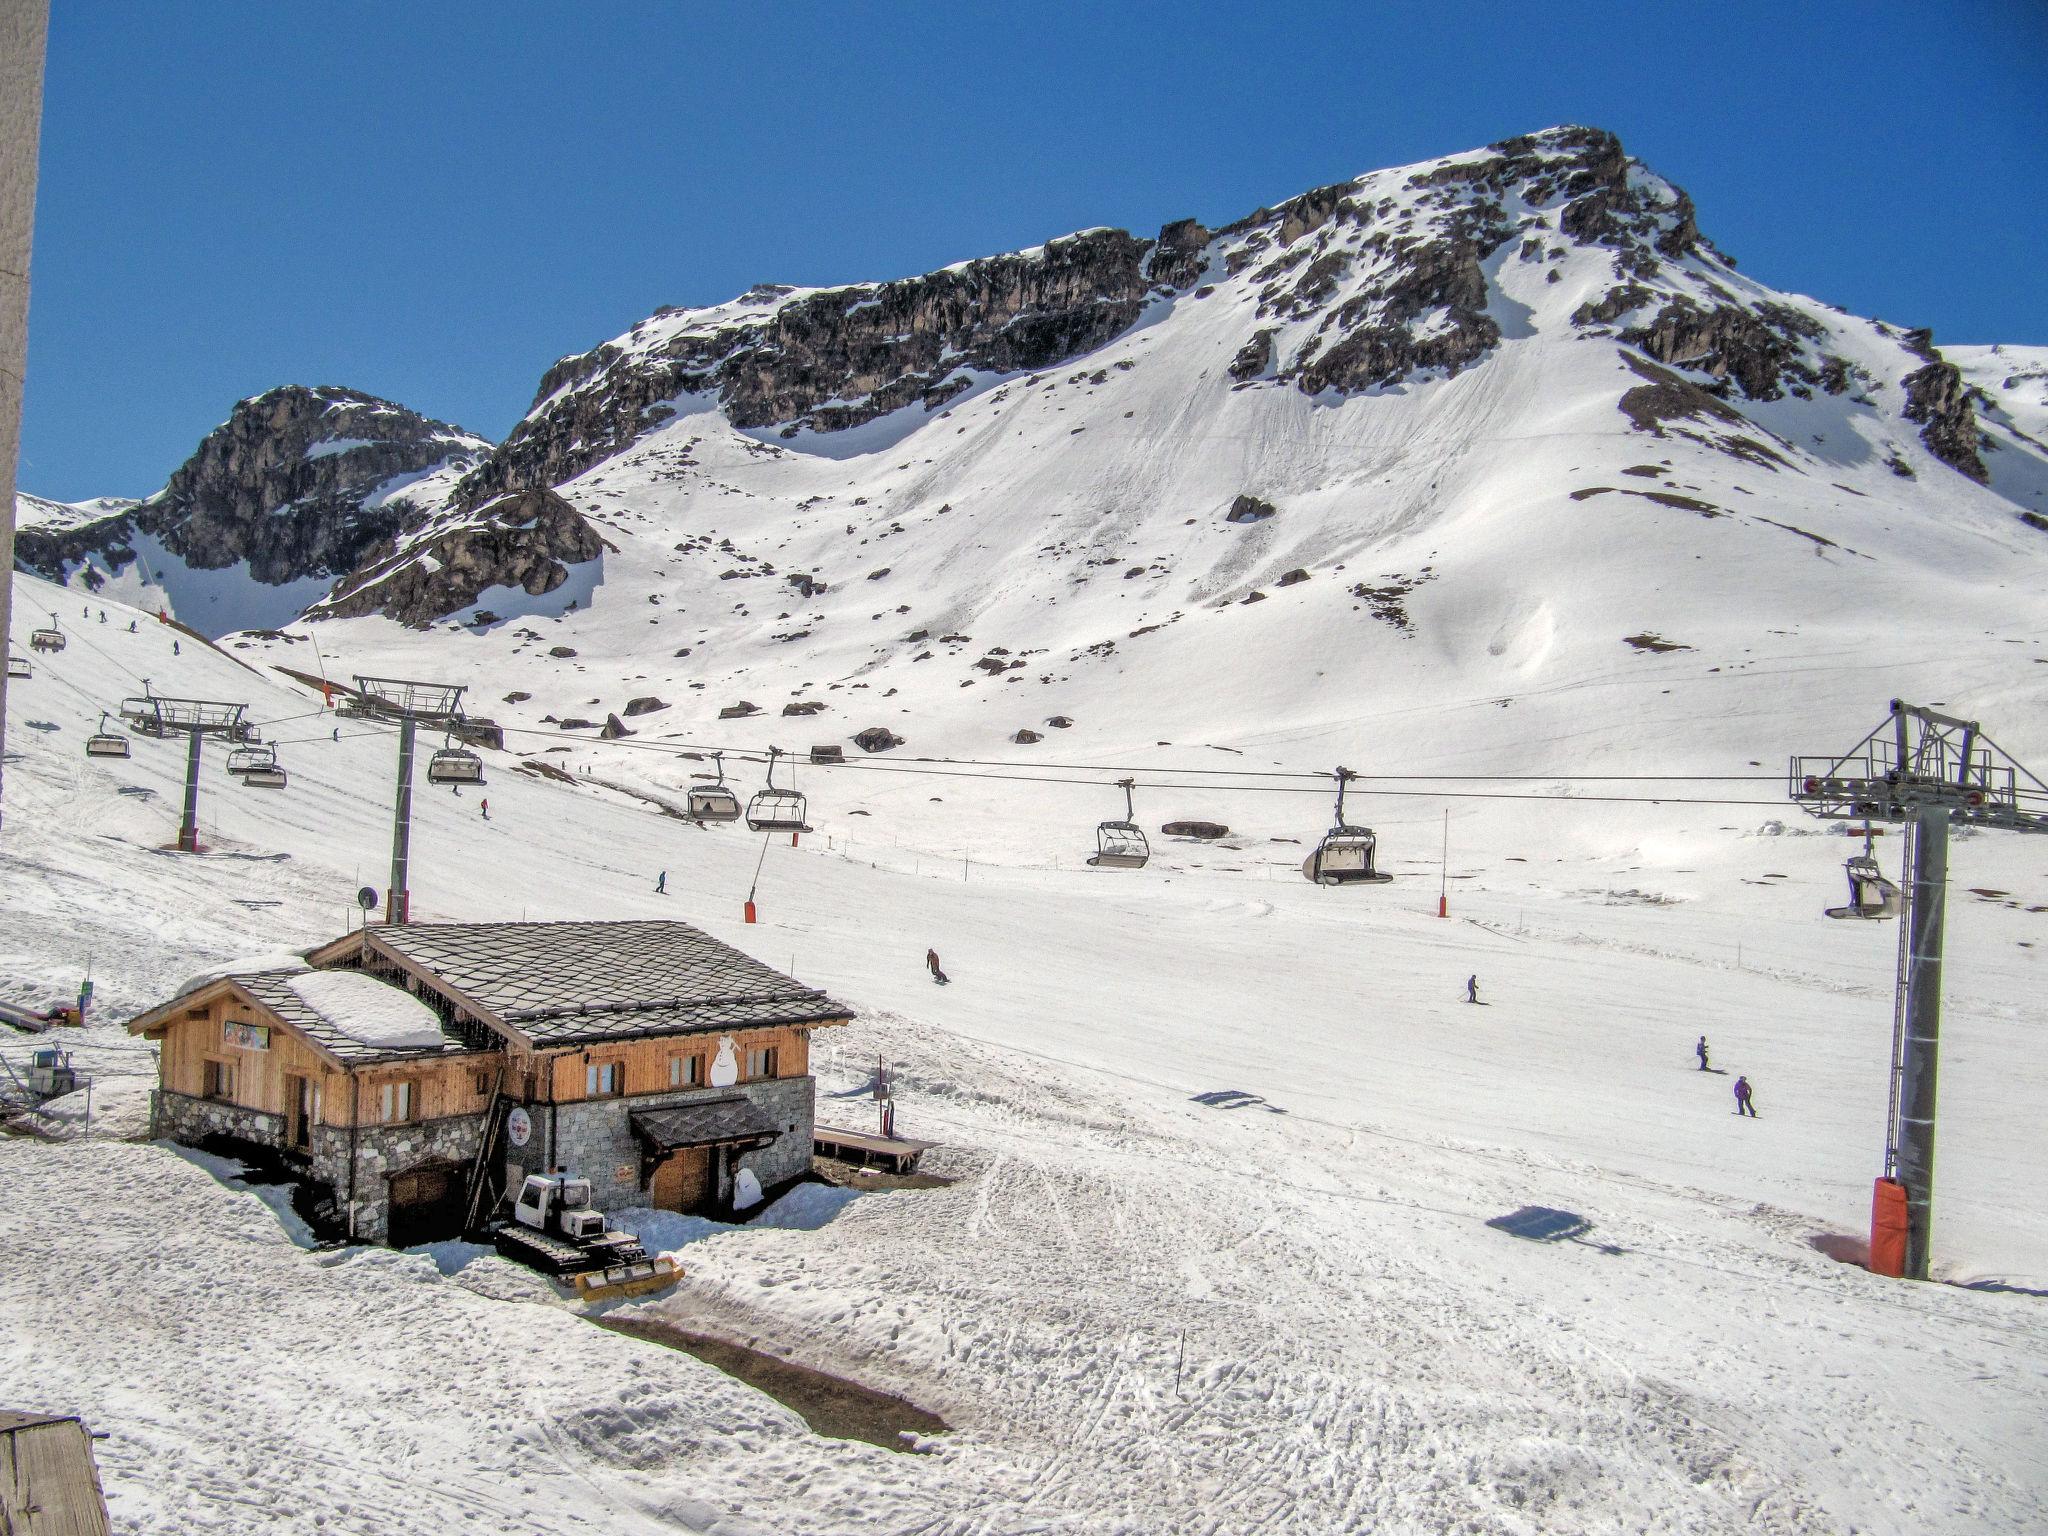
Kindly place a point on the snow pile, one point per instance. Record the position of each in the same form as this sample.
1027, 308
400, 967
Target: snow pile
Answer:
369, 1011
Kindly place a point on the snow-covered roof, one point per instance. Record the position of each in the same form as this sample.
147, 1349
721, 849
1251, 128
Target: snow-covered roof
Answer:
352, 1016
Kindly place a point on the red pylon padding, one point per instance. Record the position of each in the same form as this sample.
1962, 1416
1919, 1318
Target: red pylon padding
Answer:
750, 910
1888, 1228
1443, 906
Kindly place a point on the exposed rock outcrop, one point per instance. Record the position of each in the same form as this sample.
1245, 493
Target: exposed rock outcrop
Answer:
1936, 398
297, 482
526, 541
877, 738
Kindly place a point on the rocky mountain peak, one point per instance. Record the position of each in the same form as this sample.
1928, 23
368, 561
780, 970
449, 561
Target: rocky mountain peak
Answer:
298, 483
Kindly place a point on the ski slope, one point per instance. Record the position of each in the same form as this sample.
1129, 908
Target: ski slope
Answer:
1227, 1144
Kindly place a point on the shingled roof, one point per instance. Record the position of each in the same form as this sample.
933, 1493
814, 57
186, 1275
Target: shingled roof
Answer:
341, 1036
579, 983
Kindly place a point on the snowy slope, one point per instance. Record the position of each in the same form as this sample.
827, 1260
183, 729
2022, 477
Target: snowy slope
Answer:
1228, 1144
35, 512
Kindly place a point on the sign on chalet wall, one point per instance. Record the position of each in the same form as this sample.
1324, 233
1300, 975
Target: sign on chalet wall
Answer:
247, 1037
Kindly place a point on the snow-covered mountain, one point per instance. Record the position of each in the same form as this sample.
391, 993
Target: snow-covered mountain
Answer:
1476, 434
1464, 439
292, 490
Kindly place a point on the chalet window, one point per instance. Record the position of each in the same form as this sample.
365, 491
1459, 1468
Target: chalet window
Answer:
394, 1103
220, 1080
483, 1080
761, 1061
686, 1071
604, 1079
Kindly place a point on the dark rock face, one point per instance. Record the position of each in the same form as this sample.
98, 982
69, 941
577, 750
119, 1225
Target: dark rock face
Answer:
1249, 509
1293, 578
290, 482
1026, 737
1755, 348
739, 711
1253, 358
880, 347
1380, 345
877, 738
614, 728
1206, 830
1936, 398
646, 704
803, 707
526, 541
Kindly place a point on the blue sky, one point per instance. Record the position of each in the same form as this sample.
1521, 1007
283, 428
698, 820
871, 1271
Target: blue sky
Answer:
432, 201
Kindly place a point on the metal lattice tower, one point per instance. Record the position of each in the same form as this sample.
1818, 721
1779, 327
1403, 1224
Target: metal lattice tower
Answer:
407, 702
195, 720
1925, 772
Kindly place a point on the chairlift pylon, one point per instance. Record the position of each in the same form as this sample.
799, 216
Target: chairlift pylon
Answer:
1346, 854
776, 810
1871, 895
106, 743
1121, 844
714, 802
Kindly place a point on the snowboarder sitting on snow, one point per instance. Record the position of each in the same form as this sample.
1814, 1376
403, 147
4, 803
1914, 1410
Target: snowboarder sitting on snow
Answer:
1742, 1097
931, 963
1700, 1051
1471, 989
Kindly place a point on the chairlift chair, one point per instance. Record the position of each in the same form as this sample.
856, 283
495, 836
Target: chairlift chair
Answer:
270, 775
51, 639
17, 666
455, 765
776, 810
714, 802
106, 743
245, 760
1121, 844
1346, 854
140, 713
1871, 895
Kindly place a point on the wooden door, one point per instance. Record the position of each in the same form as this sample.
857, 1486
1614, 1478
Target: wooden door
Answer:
685, 1181
426, 1205
298, 1112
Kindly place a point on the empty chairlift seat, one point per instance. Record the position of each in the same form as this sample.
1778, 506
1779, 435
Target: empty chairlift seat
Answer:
245, 760
455, 765
1871, 895
17, 666
106, 743
1346, 855
777, 810
1121, 844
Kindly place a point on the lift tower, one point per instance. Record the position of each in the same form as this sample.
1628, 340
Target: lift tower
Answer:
1925, 772
195, 720
408, 702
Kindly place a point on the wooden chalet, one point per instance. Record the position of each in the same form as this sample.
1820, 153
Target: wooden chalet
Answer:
418, 1072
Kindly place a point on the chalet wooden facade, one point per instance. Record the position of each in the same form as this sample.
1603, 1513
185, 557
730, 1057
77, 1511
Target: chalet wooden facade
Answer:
418, 1072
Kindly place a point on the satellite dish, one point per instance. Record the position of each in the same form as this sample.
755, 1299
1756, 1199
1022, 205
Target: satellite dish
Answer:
366, 898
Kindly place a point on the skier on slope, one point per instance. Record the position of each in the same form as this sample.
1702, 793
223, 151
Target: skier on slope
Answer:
487, 807
1743, 1106
661, 885
1471, 989
1700, 1051
931, 963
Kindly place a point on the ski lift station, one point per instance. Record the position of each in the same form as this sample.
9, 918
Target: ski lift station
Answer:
412, 1075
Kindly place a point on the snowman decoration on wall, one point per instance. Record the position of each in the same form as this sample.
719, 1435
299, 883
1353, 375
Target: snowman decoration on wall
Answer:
725, 1066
